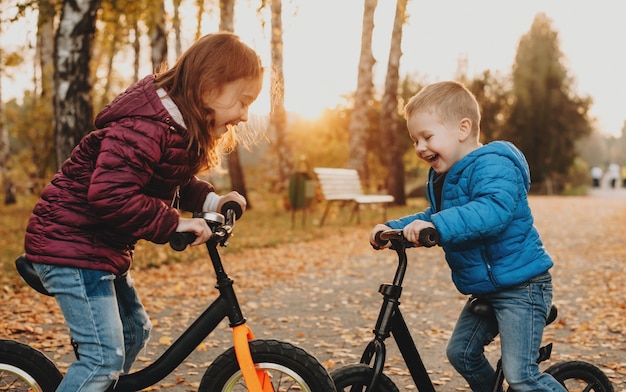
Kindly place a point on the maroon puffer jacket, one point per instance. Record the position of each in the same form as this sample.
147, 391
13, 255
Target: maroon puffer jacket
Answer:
117, 187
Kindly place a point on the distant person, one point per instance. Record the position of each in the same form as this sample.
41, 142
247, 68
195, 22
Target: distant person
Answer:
478, 204
125, 181
596, 175
624, 176
613, 174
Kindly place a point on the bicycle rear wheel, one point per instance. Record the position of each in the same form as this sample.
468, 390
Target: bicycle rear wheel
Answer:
290, 369
580, 376
23, 368
357, 378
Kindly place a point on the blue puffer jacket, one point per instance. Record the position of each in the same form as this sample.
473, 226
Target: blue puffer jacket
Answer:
484, 221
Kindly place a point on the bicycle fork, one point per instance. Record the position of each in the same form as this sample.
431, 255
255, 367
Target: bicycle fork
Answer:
256, 380
390, 321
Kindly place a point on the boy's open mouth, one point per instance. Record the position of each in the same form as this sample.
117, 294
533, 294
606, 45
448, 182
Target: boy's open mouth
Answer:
432, 159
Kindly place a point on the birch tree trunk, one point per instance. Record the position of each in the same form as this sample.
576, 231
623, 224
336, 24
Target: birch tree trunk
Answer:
73, 110
389, 112
357, 148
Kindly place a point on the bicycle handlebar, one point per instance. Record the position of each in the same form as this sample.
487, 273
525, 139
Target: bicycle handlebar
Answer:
220, 226
428, 237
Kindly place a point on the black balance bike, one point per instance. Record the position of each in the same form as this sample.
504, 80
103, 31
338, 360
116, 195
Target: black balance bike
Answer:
250, 365
368, 374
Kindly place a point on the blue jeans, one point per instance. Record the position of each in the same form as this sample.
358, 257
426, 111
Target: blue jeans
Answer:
521, 313
106, 319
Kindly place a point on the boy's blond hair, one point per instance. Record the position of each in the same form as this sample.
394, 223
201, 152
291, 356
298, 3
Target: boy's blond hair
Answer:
450, 100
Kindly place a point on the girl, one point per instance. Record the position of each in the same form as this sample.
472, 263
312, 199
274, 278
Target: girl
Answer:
125, 182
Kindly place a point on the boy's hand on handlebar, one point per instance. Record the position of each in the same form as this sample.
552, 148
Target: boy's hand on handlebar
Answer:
233, 196
377, 229
197, 226
412, 231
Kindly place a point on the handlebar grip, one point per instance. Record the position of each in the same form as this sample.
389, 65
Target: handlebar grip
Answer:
232, 205
429, 237
179, 240
379, 241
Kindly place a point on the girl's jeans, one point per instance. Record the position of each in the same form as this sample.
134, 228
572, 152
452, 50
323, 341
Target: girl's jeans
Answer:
106, 320
521, 313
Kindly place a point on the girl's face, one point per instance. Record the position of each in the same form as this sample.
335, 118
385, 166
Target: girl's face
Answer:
230, 104
436, 142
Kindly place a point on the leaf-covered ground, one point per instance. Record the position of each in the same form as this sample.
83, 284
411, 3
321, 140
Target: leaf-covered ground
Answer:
322, 295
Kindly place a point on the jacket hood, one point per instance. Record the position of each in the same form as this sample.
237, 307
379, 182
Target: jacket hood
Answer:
502, 148
139, 100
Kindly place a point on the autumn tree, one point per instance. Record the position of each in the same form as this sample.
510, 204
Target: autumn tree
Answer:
547, 118
73, 110
492, 94
359, 123
389, 111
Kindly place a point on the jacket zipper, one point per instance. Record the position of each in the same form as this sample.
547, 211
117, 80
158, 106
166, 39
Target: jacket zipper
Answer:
487, 260
176, 198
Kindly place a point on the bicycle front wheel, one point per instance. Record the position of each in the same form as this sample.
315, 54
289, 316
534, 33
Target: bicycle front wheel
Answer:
580, 376
358, 377
25, 369
290, 369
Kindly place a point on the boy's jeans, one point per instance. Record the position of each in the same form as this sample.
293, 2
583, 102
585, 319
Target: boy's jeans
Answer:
106, 320
521, 313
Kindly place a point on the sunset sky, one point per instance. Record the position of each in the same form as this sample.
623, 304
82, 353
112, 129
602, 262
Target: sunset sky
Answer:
322, 45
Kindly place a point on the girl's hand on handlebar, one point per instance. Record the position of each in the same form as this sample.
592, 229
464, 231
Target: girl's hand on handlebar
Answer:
232, 196
197, 226
412, 231
377, 229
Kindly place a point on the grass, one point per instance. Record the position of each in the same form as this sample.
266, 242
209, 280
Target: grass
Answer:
267, 224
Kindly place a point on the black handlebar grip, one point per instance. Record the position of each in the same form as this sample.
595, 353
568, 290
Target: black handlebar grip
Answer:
429, 237
179, 240
379, 241
232, 205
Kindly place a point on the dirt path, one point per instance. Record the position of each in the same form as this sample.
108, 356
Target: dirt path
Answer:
322, 295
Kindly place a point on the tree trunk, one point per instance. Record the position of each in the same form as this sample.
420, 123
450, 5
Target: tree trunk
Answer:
158, 37
45, 47
281, 156
9, 195
235, 170
357, 149
178, 48
388, 116
73, 110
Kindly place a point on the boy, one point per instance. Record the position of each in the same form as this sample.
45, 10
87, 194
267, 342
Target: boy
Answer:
479, 206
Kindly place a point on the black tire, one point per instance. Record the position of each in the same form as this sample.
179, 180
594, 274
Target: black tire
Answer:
580, 376
291, 369
24, 368
359, 376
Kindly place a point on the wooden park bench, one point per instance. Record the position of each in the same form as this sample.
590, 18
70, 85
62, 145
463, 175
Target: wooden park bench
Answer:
344, 186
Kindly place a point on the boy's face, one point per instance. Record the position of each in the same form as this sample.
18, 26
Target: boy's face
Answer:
437, 143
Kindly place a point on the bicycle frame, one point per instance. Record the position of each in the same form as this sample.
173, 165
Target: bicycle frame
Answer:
226, 305
390, 321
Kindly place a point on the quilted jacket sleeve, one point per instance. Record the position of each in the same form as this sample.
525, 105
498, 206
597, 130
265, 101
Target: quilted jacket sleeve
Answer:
125, 165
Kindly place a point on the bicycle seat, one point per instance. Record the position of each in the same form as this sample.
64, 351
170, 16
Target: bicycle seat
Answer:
27, 272
482, 307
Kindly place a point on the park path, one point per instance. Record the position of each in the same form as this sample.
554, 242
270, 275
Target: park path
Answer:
322, 295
